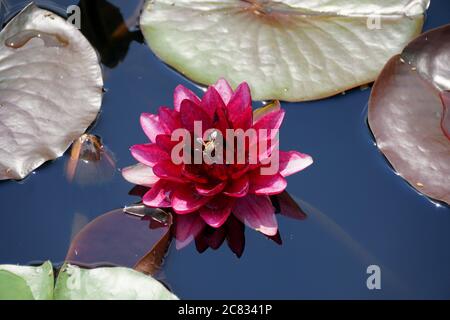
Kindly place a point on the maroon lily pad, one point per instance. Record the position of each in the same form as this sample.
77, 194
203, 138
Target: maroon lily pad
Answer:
135, 240
408, 113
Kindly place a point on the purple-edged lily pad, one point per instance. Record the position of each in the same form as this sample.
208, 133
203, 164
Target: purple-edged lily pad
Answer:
408, 113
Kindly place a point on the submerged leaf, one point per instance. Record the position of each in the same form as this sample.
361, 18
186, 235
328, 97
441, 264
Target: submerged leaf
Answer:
118, 283
105, 27
292, 50
26, 282
50, 90
90, 162
408, 113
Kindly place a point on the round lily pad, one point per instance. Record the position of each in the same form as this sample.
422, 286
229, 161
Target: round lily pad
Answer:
408, 113
291, 50
50, 89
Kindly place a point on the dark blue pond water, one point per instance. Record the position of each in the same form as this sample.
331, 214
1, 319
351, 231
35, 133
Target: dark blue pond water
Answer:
359, 211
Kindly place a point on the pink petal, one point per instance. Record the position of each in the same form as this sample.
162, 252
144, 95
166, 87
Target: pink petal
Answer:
217, 211
221, 121
159, 195
140, 174
244, 121
238, 187
239, 109
266, 109
151, 125
187, 227
215, 218
239, 170
224, 89
266, 185
257, 212
186, 200
264, 153
193, 173
272, 120
169, 118
165, 142
217, 171
148, 154
191, 112
210, 189
292, 162
182, 93
212, 101
166, 169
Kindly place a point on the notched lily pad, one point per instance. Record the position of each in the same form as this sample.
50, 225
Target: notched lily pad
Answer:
50, 90
136, 237
291, 50
26, 282
118, 283
408, 113
75, 283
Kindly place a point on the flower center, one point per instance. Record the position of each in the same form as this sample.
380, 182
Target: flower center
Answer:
209, 145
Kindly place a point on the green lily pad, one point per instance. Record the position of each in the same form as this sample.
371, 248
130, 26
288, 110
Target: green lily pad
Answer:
291, 50
117, 283
26, 283
75, 283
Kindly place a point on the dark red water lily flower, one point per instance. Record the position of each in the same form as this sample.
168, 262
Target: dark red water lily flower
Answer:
210, 193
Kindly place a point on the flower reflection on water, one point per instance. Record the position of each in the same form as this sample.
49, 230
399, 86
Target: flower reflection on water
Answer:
142, 235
